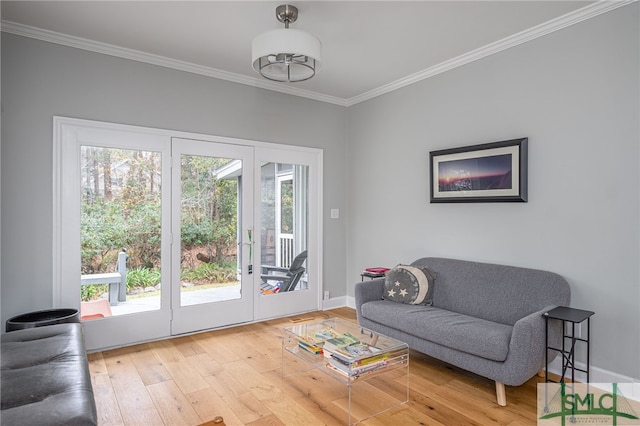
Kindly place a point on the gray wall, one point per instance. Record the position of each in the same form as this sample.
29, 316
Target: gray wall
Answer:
575, 94
40, 80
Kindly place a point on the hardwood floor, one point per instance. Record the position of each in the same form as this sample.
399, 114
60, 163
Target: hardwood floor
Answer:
235, 373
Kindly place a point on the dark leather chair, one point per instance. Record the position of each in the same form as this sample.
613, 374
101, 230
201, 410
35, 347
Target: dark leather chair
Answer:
45, 377
288, 276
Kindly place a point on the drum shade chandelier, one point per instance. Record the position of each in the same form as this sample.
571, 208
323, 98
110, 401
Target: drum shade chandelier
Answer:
286, 54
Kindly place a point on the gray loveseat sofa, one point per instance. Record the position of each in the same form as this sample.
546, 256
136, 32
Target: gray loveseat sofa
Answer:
45, 377
484, 318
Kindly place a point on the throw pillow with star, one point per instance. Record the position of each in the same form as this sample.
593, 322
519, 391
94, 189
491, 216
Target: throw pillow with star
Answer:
409, 284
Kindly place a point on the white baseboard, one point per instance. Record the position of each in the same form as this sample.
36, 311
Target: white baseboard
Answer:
351, 302
335, 302
596, 374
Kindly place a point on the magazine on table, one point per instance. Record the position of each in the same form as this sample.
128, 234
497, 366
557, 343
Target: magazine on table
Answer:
340, 342
350, 371
357, 354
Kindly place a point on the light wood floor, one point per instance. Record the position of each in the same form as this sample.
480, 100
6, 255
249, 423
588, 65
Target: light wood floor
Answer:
235, 373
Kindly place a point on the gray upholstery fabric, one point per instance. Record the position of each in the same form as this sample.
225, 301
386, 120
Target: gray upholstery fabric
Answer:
496, 293
499, 297
45, 377
447, 328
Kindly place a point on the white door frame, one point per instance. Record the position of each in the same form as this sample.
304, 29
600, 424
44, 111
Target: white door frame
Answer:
69, 136
135, 328
293, 302
209, 315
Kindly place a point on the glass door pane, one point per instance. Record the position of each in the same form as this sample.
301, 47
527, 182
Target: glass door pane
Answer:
212, 231
284, 226
209, 229
288, 212
120, 224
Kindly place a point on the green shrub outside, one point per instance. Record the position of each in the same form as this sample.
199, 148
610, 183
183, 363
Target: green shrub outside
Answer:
143, 277
147, 277
93, 292
211, 273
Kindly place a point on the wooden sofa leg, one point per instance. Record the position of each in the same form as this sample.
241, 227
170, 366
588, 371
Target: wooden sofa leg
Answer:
501, 394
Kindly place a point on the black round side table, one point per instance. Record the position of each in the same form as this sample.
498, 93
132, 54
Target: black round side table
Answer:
42, 318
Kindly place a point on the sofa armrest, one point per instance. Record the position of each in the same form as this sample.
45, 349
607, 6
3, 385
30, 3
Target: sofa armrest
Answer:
367, 291
527, 347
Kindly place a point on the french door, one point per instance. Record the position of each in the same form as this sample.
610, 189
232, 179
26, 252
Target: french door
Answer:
111, 188
289, 218
205, 226
201, 172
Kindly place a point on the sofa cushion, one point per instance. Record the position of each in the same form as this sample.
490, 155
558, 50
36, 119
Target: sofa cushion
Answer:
461, 332
45, 377
409, 284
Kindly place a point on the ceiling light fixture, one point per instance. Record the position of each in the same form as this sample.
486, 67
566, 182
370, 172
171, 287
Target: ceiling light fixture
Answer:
286, 54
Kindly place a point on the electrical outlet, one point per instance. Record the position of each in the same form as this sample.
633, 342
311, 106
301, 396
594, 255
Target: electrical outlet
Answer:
326, 295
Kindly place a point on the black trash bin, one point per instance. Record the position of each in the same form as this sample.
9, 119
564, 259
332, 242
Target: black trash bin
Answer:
42, 318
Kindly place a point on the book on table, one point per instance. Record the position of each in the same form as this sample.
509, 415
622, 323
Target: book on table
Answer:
309, 347
344, 353
340, 342
354, 372
353, 367
313, 342
357, 352
376, 270
349, 356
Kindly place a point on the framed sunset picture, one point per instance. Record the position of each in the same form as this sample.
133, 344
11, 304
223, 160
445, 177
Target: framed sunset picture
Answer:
490, 172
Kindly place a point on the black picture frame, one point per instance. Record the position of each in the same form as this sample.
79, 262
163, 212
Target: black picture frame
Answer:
490, 172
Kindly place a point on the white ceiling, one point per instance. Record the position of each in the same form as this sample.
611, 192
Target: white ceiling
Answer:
369, 47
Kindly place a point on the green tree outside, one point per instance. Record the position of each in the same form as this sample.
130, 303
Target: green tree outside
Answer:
121, 208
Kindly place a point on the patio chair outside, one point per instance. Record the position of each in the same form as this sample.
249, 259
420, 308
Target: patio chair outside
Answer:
289, 277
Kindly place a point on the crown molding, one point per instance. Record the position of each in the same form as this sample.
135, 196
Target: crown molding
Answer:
533, 33
572, 18
136, 55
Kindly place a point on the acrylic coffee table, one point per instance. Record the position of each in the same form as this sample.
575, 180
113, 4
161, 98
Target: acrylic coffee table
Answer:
357, 391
